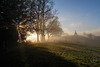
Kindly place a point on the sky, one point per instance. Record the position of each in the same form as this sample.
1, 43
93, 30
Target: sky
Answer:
79, 15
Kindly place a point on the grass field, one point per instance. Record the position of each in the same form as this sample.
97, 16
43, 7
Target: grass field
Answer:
51, 55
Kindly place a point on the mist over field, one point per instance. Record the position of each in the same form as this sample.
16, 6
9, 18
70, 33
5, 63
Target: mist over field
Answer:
49, 33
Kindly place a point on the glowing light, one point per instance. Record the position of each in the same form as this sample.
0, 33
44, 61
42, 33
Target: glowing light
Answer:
32, 37
21, 26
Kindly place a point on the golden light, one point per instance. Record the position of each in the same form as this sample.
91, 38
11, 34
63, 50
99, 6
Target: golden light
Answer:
32, 37
21, 26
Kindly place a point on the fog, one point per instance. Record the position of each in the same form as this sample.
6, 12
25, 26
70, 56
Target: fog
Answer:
85, 39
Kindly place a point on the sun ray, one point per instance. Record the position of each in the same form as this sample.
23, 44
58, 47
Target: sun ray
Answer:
32, 37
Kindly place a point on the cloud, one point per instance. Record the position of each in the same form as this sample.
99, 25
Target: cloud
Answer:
75, 24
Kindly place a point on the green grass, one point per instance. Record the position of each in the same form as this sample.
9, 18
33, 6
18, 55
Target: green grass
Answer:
82, 55
50, 55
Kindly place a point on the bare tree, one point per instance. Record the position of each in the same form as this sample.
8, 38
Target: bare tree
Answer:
39, 10
53, 28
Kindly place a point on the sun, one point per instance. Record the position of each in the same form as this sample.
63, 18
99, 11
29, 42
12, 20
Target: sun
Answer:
32, 37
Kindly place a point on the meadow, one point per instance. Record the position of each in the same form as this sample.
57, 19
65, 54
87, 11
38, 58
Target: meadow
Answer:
50, 54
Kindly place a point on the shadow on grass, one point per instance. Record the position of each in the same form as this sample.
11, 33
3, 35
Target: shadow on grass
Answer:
29, 56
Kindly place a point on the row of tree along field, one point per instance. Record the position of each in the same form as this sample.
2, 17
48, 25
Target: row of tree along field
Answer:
17, 17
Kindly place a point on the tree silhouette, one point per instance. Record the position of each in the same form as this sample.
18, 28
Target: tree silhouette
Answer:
39, 11
10, 11
53, 28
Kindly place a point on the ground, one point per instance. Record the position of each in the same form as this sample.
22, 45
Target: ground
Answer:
50, 55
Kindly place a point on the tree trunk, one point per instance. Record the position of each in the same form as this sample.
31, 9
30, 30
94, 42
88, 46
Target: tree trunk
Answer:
43, 32
37, 36
43, 37
19, 35
48, 35
40, 30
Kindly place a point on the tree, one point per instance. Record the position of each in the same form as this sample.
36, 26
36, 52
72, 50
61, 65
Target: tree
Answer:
46, 10
12, 9
39, 13
89, 35
42, 14
26, 15
12, 14
53, 28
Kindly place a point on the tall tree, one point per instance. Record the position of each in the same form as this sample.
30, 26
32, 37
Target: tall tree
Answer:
53, 28
46, 10
40, 10
12, 14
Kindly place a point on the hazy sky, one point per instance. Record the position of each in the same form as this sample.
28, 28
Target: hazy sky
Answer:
79, 15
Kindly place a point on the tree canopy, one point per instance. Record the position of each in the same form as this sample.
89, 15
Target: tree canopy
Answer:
29, 15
